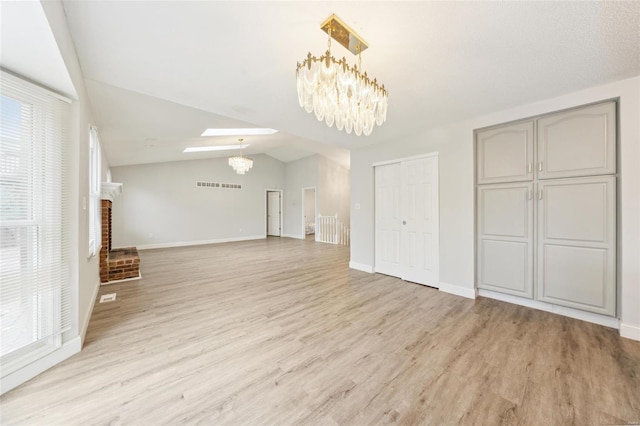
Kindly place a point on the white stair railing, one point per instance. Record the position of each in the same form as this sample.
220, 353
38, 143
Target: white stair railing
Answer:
330, 229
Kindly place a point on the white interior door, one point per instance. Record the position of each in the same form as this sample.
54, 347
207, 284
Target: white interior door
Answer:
273, 213
387, 219
419, 248
407, 241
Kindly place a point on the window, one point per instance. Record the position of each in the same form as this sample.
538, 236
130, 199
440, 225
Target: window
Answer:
34, 238
95, 169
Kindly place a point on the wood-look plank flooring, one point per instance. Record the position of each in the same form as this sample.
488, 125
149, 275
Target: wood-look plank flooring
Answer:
280, 331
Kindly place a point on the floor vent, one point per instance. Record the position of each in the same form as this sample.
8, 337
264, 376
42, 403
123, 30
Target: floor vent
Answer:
108, 297
202, 184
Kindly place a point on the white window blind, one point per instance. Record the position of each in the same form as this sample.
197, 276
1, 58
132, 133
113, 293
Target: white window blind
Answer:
34, 239
95, 169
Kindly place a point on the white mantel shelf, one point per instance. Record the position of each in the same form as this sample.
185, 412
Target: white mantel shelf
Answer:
110, 190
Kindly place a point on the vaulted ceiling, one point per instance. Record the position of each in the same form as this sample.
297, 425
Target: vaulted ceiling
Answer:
159, 73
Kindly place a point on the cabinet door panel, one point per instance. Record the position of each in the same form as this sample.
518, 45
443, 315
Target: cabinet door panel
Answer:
505, 238
580, 142
504, 266
505, 154
577, 243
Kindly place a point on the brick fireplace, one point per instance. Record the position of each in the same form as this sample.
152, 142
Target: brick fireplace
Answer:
115, 264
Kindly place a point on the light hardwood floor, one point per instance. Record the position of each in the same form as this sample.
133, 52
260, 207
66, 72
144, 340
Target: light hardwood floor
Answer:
280, 331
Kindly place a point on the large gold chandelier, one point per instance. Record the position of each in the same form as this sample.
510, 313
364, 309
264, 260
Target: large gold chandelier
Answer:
338, 93
240, 163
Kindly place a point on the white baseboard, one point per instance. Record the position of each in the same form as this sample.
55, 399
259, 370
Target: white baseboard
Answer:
296, 236
361, 267
561, 310
87, 315
469, 293
197, 243
123, 280
630, 331
15, 379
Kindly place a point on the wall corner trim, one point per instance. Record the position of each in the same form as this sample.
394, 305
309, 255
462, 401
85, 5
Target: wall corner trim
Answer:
469, 293
361, 267
630, 331
87, 315
30, 371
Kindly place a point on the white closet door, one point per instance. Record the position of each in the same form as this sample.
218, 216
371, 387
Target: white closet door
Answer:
505, 154
387, 219
419, 249
576, 261
505, 238
580, 142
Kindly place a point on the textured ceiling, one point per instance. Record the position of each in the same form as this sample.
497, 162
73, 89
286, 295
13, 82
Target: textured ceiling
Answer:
164, 71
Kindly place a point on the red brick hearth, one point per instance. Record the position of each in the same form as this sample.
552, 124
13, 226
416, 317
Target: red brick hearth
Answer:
117, 264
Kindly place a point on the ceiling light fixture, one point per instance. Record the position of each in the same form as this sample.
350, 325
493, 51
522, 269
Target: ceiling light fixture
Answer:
238, 132
338, 93
240, 163
213, 148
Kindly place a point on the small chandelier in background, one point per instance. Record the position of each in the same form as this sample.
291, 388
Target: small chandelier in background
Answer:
338, 93
240, 163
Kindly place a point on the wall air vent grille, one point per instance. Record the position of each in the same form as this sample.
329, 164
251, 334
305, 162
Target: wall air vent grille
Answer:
218, 185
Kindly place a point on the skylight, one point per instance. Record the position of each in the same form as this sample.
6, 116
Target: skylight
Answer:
238, 132
215, 148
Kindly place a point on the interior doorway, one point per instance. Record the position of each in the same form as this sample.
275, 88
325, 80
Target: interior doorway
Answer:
309, 212
274, 213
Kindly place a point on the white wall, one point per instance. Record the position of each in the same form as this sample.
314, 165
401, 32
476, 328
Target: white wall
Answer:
333, 189
455, 145
160, 204
299, 174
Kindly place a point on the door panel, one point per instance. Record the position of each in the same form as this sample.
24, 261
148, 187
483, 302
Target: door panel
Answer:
577, 243
589, 200
387, 219
505, 238
505, 154
419, 233
505, 265
574, 275
579, 142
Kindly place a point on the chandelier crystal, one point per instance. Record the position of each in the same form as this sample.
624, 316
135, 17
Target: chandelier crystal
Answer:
240, 163
338, 93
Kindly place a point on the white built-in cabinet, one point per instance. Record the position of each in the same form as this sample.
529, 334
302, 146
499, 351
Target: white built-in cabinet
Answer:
546, 208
